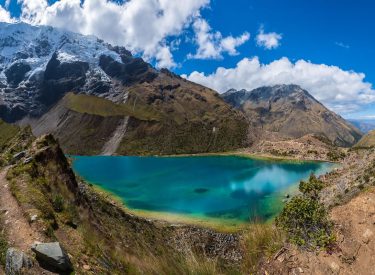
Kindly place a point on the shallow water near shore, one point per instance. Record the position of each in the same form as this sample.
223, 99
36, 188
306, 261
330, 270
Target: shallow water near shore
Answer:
220, 188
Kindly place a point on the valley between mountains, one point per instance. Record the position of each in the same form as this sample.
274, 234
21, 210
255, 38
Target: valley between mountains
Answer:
64, 94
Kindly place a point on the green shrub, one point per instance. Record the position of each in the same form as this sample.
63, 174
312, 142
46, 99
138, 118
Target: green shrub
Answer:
305, 219
335, 155
58, 203
312, 187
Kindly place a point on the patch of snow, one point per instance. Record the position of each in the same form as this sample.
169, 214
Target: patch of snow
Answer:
35, 46
38, 43
64, 57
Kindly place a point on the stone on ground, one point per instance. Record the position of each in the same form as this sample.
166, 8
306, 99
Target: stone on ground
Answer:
16, 261
52, 255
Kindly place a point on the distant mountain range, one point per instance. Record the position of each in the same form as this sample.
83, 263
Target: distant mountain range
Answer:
99, 99
365, 125
292, 112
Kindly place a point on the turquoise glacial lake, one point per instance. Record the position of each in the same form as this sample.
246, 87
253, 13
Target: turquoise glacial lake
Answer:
224, 188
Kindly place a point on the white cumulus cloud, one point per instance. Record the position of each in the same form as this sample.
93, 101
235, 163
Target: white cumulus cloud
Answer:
268, 40
142, 26
342, 91
5, 15
211, 44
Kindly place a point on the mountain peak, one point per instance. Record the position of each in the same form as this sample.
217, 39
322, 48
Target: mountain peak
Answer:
275, 89
93, 96
270, 93
39, 64
291, 111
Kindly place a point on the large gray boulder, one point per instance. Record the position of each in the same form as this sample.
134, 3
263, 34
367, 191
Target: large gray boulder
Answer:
16, 261
52, 255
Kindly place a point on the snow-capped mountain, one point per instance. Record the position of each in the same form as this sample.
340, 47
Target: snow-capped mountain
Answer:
52, 79
38, 64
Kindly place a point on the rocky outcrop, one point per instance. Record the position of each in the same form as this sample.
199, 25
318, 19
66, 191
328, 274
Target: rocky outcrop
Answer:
130, 71
16, 73
16, 262
52, 256
292, 112
62, 77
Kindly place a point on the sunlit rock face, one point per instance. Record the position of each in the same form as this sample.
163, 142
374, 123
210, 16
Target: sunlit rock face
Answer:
292, 112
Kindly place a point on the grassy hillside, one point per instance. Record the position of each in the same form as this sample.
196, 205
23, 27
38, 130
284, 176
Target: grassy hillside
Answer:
7, 132
368, 141
13, 140
102, 107
167, 116
194, 120
168, 138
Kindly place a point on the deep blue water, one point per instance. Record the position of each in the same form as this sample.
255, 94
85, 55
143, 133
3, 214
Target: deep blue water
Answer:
220, 187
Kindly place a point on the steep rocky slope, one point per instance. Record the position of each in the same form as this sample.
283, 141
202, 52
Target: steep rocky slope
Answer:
43, 201
292, 112
157, 121
165, 114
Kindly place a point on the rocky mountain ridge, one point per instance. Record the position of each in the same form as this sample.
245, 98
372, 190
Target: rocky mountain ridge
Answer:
165, 114
39, 64
119, 104
292, 112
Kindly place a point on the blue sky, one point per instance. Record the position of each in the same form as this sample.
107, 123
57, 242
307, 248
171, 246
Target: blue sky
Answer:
337, 33
310, 31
